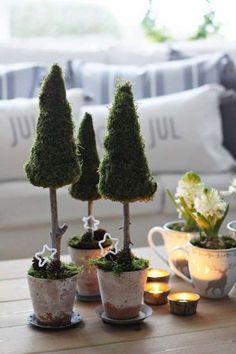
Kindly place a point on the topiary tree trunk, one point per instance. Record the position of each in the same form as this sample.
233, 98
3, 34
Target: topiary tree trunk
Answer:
127, 239
57, 232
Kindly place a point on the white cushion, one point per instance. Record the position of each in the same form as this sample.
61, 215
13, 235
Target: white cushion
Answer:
18, 119
182, 131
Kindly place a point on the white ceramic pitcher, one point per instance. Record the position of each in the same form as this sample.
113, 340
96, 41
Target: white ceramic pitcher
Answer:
172, 239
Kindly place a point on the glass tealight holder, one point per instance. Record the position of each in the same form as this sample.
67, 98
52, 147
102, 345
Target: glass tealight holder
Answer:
156, 293
183, 303
158, 275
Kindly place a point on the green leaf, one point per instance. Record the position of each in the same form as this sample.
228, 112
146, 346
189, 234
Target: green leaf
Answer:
202, 222
220, 221
172, 198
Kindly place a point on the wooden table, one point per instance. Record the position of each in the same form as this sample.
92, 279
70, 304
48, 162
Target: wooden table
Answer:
211, 330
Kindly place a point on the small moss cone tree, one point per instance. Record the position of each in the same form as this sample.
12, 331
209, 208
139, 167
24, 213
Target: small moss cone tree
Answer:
124, 172
53, 160
86, 188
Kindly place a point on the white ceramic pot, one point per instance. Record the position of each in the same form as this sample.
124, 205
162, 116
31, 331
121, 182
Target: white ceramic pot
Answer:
122, 294
52, 300
172, 239
87, 283
212, 272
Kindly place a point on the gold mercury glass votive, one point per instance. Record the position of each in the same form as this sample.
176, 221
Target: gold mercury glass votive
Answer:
184, 303
158, 275
156, 293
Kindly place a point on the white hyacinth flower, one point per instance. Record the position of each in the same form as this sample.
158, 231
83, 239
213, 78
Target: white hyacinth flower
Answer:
189, 187
210, 204
231, 189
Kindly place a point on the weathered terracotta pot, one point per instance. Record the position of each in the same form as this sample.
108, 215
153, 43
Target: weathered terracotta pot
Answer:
52, 300
122, 294
87, 282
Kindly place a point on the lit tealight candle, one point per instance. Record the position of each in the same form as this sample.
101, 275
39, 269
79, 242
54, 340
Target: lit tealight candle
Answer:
184, 304
156, 293
158, 275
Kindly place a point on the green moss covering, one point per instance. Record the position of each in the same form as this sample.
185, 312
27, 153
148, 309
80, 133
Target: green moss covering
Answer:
67, 270
124, 172
110, 263
218, 243
85, 242
53, 160
86, 188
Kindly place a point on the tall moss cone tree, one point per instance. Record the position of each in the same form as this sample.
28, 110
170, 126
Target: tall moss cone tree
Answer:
53, 160
86, 188
124, 172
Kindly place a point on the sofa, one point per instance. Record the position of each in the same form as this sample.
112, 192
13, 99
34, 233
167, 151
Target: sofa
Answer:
24, 209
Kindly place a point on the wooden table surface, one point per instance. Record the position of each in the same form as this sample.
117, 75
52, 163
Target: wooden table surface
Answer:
211, 330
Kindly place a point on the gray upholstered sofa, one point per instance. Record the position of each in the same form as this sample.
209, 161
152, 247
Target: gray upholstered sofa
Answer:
24, 210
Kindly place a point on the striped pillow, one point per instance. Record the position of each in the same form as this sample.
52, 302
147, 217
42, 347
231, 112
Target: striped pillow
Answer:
99, 80
20, 80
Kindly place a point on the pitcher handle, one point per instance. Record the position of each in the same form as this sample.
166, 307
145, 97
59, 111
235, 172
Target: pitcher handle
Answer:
156, 230
173, 267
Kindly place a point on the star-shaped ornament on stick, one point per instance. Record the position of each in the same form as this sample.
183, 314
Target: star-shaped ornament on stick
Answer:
90, 223
116, 241
43, 260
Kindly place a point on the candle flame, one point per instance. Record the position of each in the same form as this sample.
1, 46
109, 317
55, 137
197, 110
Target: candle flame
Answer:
184, 297
157, 288
157, 273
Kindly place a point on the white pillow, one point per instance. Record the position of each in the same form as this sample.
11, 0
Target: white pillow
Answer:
17, 125
182, 131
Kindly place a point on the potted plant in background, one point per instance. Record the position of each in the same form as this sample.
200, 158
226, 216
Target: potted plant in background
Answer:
211, 256
178, 233
124, 177
83, 248
53, 163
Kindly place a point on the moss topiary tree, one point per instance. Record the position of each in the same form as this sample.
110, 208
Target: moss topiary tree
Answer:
86, 188
124, 172
53, 161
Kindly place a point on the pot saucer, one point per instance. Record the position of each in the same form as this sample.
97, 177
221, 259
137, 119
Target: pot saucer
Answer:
144, 313
88, 298
75, 319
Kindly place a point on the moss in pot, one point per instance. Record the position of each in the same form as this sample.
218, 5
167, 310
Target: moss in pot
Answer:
86, 246
124, 177
53, 164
